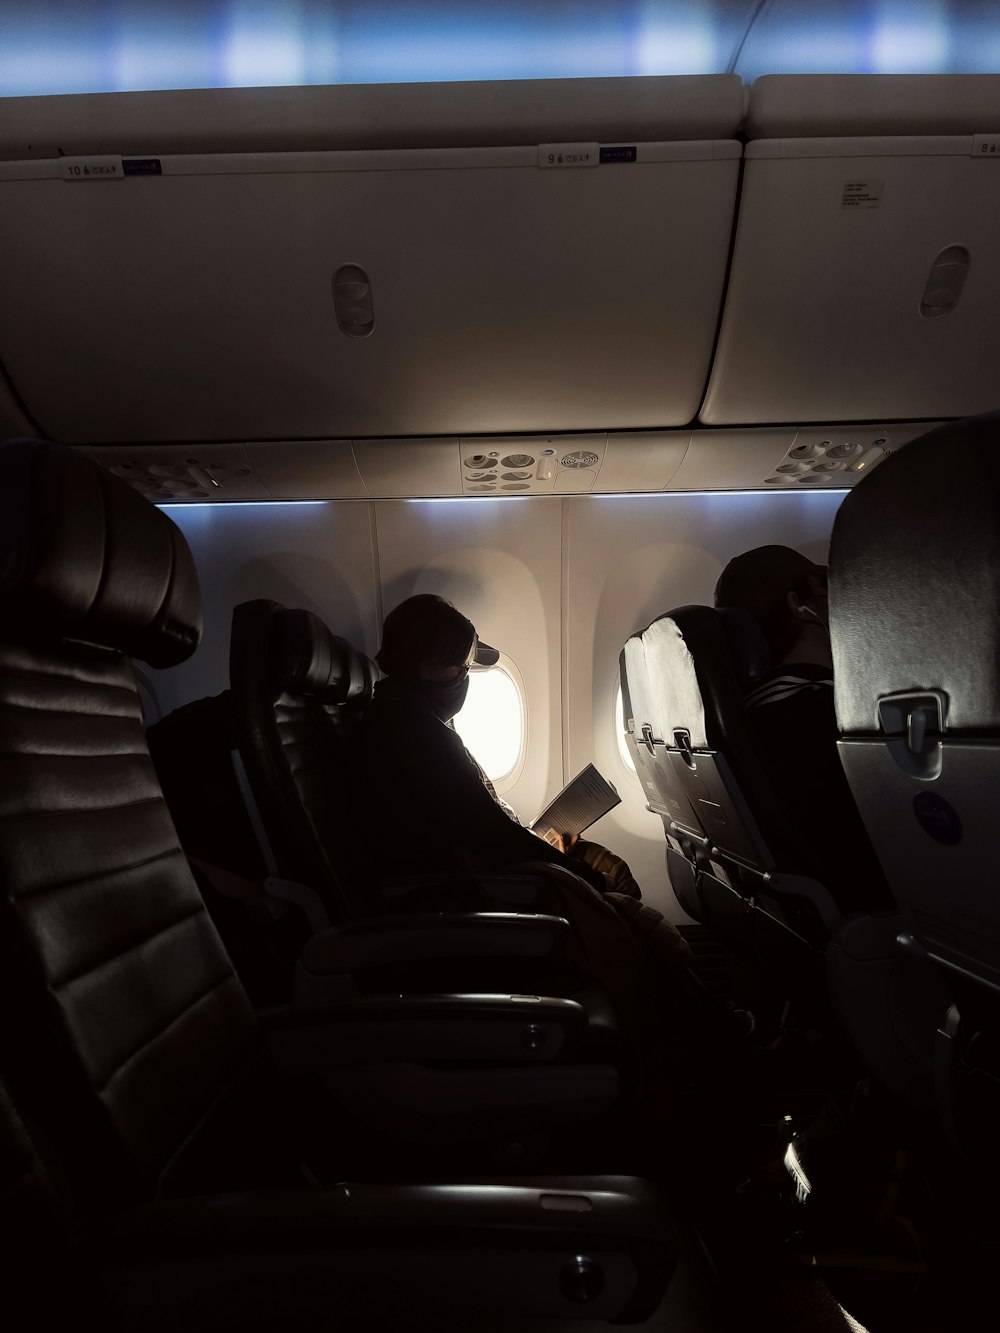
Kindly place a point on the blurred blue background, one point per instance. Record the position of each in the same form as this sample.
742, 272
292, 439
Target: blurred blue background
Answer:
68, 46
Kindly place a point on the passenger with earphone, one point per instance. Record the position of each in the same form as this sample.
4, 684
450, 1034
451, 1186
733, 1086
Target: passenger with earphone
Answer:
793, 719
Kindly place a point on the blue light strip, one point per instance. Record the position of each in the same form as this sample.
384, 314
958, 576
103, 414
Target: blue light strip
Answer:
625, 495
491, 499
236, 504
770, 490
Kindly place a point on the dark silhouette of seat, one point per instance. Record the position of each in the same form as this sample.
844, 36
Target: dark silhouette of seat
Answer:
915, 624
742, 866
745, 869
129, 1045
298, 692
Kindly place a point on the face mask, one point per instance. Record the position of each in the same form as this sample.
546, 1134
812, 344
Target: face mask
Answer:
447, 699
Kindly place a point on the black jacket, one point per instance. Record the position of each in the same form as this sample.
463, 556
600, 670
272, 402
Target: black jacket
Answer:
424, 805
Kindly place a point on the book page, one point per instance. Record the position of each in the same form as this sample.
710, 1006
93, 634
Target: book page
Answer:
578, 805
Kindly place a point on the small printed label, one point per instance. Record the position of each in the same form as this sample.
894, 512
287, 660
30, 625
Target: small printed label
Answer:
91, 168
568, 154
621, 154
720, 874
142, 166
986, 145
862, 194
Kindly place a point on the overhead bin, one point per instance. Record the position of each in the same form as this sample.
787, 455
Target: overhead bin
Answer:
563, 285
865, 280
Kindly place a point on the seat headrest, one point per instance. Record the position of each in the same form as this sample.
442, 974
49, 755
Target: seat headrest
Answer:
748, 647
309, 660
915, 580
83, 556
663, 686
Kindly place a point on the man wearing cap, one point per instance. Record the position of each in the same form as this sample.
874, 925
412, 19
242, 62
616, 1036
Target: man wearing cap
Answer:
424, 806
448, 815
793, 719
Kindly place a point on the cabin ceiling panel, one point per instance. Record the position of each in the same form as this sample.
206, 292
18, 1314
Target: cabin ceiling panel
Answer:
370, 116
209, 303
799, 106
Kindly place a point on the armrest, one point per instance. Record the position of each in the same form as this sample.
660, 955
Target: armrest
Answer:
511, 1029
601, 1248
515, 889
306, 899
812, 892
356, 945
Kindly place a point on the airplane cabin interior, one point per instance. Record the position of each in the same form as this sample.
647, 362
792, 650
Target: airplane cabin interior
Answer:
550, 311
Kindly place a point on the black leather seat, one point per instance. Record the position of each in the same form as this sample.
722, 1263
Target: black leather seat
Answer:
298, 692
296, 696
745, 869
248, 829
128, 1042
749, 872
915, 624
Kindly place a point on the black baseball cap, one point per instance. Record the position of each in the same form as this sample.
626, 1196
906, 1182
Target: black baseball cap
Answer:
485, 655
427, 629
759, 580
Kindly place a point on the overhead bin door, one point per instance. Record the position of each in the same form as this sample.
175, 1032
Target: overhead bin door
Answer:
865, 282
254, 296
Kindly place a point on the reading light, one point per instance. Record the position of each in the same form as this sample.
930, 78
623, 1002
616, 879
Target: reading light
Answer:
867, 460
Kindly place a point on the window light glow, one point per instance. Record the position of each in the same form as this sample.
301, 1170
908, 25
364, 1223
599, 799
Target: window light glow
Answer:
491, 724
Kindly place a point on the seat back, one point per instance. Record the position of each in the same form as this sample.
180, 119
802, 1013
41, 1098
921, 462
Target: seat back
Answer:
915, 623
297, 692
753, 880
124, 1024
644, 709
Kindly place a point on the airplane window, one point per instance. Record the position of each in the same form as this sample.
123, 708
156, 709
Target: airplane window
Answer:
492, 722
623, 748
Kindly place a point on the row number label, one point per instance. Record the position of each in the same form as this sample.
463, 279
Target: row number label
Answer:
91, 168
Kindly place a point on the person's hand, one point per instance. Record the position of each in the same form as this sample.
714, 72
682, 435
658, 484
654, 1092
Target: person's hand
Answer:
565, 842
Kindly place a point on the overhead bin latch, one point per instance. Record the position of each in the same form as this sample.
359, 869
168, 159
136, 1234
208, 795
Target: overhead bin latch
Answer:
352, 300
914, 721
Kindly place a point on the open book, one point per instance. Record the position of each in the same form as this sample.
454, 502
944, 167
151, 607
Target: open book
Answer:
578, 805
